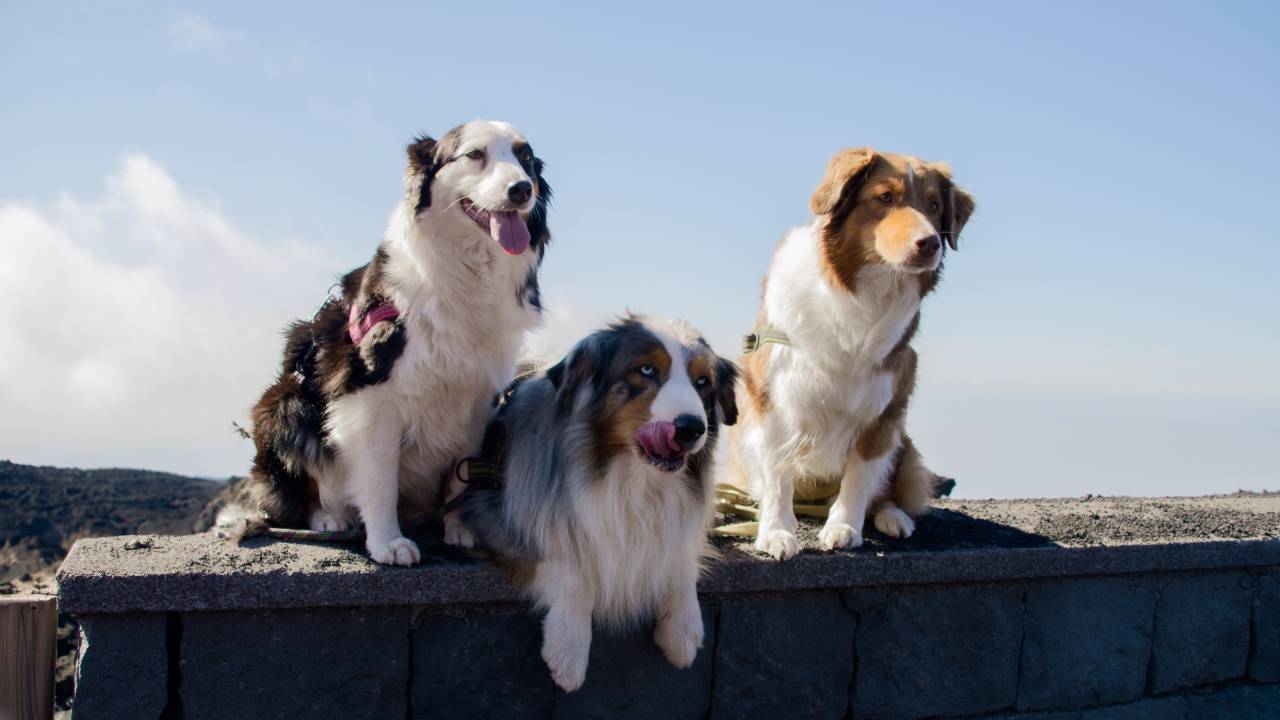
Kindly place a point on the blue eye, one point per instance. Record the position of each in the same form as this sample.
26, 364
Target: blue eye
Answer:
702, 381
647, 370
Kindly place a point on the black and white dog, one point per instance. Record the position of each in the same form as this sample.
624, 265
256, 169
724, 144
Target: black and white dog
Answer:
389, 385
600, 492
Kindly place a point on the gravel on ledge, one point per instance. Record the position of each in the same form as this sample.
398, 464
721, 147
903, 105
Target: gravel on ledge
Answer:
961, 541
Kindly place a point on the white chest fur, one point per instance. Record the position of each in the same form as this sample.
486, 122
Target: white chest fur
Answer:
827, 385
457, 295
639, 534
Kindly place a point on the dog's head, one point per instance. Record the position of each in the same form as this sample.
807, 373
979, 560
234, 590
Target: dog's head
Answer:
649, 388
881, 208
486, 173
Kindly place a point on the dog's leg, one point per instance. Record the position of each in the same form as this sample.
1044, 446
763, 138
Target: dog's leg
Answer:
371, 456
566, 630
679, 628
776, 532
456, 532
863, 479
892, 521
331, 514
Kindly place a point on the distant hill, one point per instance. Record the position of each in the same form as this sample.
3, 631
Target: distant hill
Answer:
43, 510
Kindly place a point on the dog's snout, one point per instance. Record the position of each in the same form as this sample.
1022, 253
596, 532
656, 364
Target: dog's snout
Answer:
520, 192
927, 246
688, 429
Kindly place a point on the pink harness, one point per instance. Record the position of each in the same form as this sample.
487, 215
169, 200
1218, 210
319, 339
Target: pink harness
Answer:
358, 326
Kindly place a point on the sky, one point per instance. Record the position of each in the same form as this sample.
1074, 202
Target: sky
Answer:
178, 181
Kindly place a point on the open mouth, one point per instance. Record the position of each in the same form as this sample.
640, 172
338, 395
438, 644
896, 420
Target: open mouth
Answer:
506, 227
657, 442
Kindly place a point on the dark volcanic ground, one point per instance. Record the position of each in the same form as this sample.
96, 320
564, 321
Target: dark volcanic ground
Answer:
44, 510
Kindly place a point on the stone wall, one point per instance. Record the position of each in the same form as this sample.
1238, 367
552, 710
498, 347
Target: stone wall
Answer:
1012, 622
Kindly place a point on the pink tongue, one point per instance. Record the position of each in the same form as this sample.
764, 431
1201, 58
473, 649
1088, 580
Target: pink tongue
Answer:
510, 231
658, 439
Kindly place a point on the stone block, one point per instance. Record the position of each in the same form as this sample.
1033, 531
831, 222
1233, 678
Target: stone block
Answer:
1264, 664
783, 656
1201, 630
322, 663
479, 663
1086, 642
1244, 702
936, 651
1166, 708
628, 677
122, 671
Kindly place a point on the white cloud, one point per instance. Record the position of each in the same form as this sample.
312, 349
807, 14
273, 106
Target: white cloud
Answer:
197, 34
137, 326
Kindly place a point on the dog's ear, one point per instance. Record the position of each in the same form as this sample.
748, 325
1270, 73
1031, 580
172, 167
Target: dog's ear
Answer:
538, 230
584, 362
726, 389
422, 170
847, 169
958, 205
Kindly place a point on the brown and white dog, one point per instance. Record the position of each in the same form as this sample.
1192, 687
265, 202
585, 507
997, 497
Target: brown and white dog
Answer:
390, 384
826, 393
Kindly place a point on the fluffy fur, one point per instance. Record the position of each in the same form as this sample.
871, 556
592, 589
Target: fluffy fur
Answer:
590, 522
353, 433
830, 407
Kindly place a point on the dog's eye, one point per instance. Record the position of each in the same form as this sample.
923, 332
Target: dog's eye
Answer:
885, 197
476, 155
647, 370
934, 206
702, 381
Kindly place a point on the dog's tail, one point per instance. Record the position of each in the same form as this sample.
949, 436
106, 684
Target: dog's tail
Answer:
915, 486
236, 522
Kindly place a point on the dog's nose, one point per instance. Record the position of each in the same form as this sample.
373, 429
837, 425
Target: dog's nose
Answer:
520, 192
689, 429
926, 247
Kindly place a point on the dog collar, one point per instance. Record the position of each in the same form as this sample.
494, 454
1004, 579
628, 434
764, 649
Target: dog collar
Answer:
359, 325
768, 334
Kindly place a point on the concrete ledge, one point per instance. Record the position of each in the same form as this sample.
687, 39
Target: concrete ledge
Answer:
960, 542
1069, 609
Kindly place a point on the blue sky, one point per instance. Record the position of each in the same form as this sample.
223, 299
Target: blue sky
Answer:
1107, 325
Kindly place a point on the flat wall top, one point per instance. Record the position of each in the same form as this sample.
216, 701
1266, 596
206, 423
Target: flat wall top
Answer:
961, 541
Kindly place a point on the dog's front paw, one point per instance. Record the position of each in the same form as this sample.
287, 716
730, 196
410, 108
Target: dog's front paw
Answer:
679, 640
568, 664
398, 551
325, 521
895, 523
839, 535
781, 544
457, 534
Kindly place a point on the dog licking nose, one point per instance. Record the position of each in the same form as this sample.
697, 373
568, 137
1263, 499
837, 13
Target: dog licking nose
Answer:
520, 192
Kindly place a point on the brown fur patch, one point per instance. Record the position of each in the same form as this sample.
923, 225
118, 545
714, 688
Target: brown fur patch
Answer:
628, 406
754, 380
879, 438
